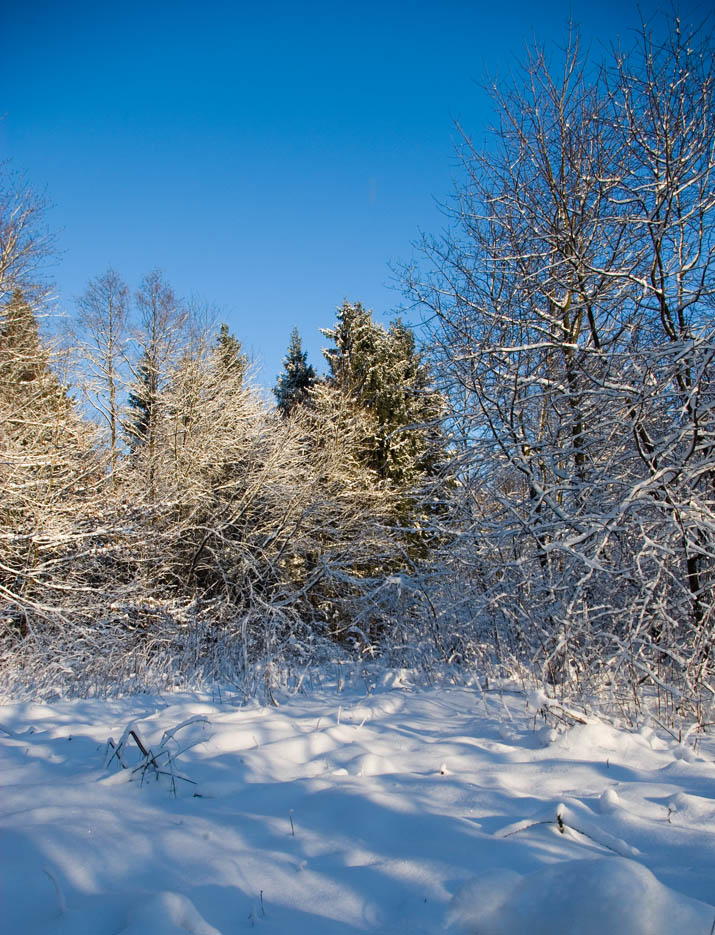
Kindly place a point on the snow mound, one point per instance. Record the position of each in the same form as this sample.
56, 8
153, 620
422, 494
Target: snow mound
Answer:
612, 894
167, 914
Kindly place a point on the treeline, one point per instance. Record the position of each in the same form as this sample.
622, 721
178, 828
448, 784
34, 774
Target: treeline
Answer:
532, 490
189, 528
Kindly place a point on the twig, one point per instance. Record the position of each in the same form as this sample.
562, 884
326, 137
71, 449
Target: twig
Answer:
562, 826
61, 904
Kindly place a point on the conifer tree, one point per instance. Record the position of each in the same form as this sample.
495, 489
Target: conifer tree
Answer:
231, 358
28, 384
380, 373
20, 355
49, 474
294, 384
381, 370
141, 401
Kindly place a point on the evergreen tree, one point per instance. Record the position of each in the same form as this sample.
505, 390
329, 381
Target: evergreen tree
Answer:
21, 359
382, 371
141, 401
49, 472
27, 381
352, 361
381, 374
294, 384
230, 353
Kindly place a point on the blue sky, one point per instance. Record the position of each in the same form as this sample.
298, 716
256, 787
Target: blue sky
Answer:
271, 160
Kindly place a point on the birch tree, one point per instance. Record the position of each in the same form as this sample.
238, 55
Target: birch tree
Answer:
159, 339
102, 335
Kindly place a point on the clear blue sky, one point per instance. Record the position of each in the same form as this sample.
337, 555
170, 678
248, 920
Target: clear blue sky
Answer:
273, 158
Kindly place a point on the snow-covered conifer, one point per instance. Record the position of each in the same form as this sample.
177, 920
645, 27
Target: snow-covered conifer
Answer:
298, 376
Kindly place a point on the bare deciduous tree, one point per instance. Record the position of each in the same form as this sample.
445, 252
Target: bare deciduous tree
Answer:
160, 337
572, 310
102, 334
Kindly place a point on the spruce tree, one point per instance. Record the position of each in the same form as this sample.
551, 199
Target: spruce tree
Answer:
21, 359
141, 402
230, 353
382, 372
355, 361
48, 474
294, 384
26, 378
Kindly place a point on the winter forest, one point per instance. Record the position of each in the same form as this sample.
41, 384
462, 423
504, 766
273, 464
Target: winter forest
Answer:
422, 637
524, 484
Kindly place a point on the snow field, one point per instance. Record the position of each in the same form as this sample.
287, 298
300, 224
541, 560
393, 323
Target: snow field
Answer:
399, 811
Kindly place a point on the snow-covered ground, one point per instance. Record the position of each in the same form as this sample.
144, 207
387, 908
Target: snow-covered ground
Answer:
401, 810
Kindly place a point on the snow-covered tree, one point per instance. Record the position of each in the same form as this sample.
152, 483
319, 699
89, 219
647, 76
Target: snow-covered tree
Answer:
159, 340
381, 371
571, 308
101, 333
298, 376
231, 356
50, 482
